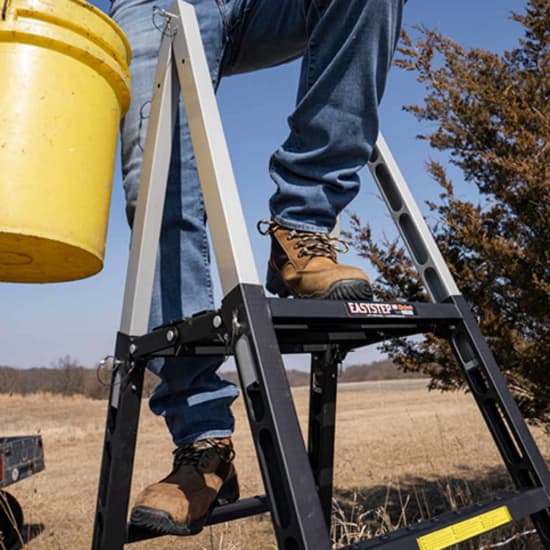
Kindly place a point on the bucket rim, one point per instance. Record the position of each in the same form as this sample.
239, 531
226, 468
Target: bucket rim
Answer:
105, 18
109, 20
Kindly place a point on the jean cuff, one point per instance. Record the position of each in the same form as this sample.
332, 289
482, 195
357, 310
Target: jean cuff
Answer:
300, 226
211, 434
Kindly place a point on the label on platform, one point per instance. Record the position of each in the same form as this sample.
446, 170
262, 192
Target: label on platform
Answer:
377, 309
464, 530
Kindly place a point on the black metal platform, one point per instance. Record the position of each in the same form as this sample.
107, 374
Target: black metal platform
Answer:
303, 326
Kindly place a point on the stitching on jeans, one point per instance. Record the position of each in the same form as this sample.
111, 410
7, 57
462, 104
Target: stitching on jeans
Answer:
311, 62
232, 25
142, 123
223, 12
205, 252
221, 54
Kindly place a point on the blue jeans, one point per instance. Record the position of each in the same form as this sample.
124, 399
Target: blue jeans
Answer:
347, 48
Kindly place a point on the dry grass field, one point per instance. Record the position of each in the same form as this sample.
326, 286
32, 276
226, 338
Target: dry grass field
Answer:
402, 453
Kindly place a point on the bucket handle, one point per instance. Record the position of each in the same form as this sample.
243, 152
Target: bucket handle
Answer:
4, 9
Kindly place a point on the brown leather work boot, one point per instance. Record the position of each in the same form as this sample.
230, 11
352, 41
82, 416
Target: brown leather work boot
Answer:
305, 265
203, 476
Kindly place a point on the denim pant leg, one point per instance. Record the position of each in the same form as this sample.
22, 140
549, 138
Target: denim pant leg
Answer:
347, 48
192, 398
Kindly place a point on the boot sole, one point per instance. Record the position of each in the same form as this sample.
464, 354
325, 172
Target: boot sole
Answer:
344, 289
163, 523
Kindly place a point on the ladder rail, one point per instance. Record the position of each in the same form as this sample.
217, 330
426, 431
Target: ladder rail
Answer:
411, 224
296, 510
518, 448
109, 532
501, 413
152, 190
468, 344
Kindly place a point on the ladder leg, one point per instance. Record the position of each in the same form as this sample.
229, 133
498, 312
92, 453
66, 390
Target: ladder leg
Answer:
514, 441
519, 451
118, 450
295, 507
322, 418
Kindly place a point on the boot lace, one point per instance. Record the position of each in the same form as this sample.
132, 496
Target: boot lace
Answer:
309, 243
194, 453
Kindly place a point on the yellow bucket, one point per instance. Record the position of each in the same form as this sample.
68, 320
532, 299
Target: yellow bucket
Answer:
64, 85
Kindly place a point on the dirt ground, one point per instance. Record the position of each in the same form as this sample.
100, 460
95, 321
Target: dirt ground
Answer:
402, 453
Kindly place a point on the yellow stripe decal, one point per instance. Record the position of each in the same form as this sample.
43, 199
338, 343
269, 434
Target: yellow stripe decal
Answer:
465, 530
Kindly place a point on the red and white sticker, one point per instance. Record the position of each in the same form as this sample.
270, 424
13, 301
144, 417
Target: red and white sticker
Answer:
376, 309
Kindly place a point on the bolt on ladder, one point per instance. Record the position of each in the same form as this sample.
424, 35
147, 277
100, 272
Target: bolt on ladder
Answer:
298, 481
